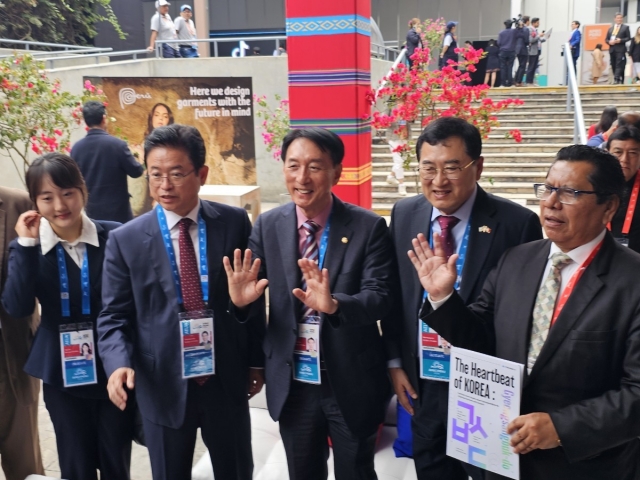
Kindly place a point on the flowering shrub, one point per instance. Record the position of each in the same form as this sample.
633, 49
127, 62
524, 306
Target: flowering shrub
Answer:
432, 33
418, 95
275, 123
36, 114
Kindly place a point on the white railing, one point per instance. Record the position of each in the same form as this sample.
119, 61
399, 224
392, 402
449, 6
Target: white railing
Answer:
573, 93
28, 44
400, 58
50, 62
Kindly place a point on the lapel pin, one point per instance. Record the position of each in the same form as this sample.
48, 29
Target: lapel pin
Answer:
484, 229
345, 240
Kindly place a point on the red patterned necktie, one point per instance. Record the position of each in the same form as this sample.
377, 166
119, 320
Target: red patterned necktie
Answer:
189, 276
446, 226
310, 251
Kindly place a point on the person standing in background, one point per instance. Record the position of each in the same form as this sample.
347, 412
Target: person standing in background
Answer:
634, 53
617, 36
574, 41
507, 44
522, 48
493, 63
449, 45
186, 30
597, 63
162, 28
19, 441
413, 39
536, 40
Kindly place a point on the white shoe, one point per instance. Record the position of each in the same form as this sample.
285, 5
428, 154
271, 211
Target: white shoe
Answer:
391, 180
402, 189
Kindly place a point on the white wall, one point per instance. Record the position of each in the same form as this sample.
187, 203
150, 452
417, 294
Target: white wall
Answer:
269, 78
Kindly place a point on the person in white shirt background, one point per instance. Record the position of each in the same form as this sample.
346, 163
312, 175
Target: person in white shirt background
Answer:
186, 30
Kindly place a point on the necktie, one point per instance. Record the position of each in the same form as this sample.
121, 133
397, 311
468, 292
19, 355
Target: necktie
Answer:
310, 251
544, 306
189, 276
446, 226
615, 30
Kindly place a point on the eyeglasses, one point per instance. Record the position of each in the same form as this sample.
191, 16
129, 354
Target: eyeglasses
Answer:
176, 179
565, 195
427, 172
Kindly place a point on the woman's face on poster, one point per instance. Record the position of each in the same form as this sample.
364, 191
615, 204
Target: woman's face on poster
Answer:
160, 117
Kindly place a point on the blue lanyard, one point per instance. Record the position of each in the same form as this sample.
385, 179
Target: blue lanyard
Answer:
202, 249
324, 241
64, 283
462, 255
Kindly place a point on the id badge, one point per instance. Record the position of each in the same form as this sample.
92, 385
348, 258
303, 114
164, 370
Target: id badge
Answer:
435, 354
306, 353
197, 344
77, 350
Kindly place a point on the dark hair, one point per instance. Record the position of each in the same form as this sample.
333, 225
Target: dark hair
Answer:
446, 127
577, 23
626, 132
325, 140
93, 112
150, 117
535, 19
492, 42
629, 118
508, 23
183, 137
608, 116
64, 173
598, 46
525, 19
607, 177
88, 346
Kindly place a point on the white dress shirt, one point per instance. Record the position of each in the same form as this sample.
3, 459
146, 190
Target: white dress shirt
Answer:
76, 249
174, 229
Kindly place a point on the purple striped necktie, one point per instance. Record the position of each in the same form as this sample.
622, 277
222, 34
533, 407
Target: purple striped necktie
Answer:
446, 226
310, 251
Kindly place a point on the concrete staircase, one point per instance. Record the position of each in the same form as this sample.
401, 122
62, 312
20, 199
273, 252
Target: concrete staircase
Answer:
511, 168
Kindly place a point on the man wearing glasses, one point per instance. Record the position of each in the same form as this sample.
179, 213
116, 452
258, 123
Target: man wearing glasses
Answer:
479, 227
163, 285
565, 308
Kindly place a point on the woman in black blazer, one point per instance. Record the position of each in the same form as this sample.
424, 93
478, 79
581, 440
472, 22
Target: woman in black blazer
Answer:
57, 259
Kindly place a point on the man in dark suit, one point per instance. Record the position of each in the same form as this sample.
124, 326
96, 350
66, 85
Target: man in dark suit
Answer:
330, 267
617, 36
565, 308
105, 161
624, 144
450, 163
140, 332
19, 442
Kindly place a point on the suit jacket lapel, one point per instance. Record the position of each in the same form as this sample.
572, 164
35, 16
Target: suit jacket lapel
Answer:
157, 255
340, 220
479, 242
216, 240
584, 292
95, 257
288, 243
420, 223
529, 286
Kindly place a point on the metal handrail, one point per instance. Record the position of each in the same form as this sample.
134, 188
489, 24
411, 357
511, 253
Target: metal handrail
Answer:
61, 52
29, 43
215, 41
579, 129
388, 51
134, 53
400, 58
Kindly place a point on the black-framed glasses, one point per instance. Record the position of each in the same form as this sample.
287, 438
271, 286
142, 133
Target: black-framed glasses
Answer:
175, 178
427, 172
566, 195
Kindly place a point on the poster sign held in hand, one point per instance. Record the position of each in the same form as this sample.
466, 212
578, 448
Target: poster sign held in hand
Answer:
484, 396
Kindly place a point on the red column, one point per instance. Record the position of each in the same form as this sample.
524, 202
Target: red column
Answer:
328, 43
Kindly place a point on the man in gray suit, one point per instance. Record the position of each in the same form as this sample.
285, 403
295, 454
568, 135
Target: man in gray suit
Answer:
19, 443
536, 39
330, 267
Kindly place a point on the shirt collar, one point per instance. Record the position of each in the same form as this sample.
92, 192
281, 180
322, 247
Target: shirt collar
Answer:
173, 219
463, 213
320, 219
581, 253
49, 239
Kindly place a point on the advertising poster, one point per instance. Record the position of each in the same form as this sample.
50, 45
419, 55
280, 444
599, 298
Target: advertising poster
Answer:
484, 396
221, 108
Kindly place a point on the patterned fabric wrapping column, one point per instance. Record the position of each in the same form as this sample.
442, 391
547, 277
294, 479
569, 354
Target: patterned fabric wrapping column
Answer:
328, 43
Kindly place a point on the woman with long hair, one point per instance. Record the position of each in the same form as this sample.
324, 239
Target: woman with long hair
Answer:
634, 53
57, 261
597, 66
608, 116
493, 63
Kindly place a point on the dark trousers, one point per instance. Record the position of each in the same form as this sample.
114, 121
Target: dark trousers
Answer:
91, 435
506, 67
429, 426
226, 431
309, 415
170, 52
522, 67
531, 69
618, 63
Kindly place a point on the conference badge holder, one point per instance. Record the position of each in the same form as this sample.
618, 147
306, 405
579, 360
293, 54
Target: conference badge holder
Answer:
77, 350
306, 353
197, 343
435, 354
